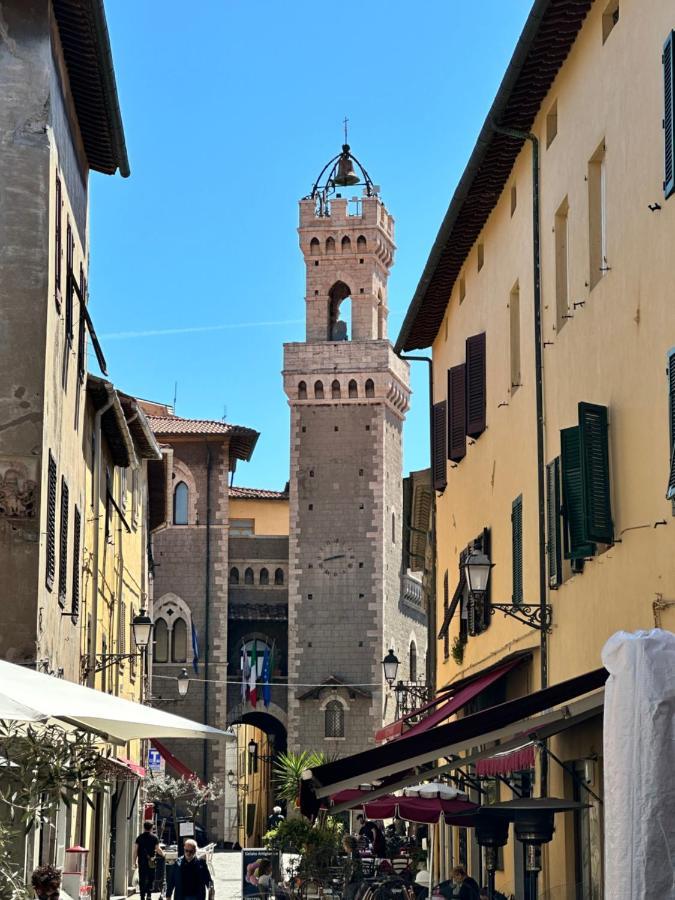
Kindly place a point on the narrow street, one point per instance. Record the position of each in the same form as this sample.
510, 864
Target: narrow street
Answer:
228, 875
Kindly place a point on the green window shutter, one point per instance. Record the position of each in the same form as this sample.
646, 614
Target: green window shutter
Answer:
576, 547
668, 60
670, 493
594, 451
517, 549
553, 520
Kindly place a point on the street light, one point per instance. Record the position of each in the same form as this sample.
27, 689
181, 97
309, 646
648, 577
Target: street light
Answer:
183, 683
477, 568
141, 629
390, 666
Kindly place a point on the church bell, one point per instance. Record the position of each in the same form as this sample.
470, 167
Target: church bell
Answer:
345, 173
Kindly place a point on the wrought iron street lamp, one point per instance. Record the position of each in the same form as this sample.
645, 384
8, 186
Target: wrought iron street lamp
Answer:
390, 667
141, 629
183, 681
253, 752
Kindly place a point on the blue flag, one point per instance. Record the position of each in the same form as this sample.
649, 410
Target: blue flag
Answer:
265, 675
195, 649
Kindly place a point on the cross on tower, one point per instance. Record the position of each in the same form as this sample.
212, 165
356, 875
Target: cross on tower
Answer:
345, 123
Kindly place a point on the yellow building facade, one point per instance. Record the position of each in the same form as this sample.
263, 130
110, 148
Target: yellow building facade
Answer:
553, 404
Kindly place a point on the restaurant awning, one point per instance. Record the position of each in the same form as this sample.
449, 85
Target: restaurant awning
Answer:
450, 704
30, 696
174, 763
508, 761
507, 720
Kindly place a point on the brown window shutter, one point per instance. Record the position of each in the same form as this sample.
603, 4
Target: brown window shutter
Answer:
63, 546
456, 413
475, 385
75, 603
439, 448
51, 523
58, 248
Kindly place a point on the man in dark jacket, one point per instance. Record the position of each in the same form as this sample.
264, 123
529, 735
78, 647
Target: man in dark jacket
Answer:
192, 876
465, 886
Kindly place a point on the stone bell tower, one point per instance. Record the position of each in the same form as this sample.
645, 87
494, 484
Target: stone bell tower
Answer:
348, 393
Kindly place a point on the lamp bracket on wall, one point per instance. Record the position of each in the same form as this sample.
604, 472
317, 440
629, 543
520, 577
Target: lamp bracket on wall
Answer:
536, 616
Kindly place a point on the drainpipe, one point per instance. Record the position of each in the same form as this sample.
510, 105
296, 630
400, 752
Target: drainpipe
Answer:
431, 607
91, 660
539, 386
207, 610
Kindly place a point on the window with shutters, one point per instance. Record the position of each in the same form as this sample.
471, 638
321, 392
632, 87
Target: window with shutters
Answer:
561, 231
81, 321
75, 593
334, 724
517, 549
70, 280
670, 492
475, 385
514, 337
668, 60
132, 643
457, 405
63, 545
597, 216
446, 604
51, 523
122, 629
58, 243
576, 547
553, 524
439, 446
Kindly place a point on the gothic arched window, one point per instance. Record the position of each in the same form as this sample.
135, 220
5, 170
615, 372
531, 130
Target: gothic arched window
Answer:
318, 390
335, 390
161, 654
234, 575
334, 721
248, 576
179, 641
370, 388
330, 245
346, 244
180, 504
413, 661
314, 246
264, 576
279, 576
353, 389
302, 390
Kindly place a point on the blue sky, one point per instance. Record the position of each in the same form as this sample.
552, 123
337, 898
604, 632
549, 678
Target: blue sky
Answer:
231, 108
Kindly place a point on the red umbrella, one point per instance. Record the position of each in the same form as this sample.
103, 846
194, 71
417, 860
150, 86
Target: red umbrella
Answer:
425, 810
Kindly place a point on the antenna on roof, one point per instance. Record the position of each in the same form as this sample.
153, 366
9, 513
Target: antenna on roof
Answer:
224, 416
175, 394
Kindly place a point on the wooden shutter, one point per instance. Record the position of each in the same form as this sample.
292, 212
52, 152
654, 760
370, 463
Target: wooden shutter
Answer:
58, 249
457, 413
75, 602
446, 618
486, 547
70, 281
553, 523
63, 544
51, 523
670, 492
594, 447
576, 546
668, 60
81, 333
517, 549
475, 385
439, 447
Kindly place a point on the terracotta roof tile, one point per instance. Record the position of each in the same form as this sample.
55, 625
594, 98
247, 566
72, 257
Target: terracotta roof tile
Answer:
246, 493
242, 440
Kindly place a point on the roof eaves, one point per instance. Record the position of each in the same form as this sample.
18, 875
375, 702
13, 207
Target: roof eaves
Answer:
113, 422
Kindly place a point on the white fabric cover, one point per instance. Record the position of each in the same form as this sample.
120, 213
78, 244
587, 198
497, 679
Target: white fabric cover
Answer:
30, 696
639, 760
432, 790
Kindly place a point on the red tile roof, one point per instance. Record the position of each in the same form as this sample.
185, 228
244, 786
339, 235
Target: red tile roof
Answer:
246, 493
242, 440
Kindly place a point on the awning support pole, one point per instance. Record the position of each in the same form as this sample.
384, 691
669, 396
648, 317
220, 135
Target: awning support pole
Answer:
573, 775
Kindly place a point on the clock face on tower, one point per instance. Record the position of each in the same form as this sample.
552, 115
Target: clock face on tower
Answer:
335, 558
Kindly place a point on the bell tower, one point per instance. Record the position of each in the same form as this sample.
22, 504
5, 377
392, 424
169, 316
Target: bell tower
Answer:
348, 393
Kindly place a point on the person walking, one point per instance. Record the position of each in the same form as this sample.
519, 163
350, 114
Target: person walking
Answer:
146, 849
191, 876
46, 882
275, 818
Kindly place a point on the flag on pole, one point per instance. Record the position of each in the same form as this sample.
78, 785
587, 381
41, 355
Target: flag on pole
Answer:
195, 649
245, 673
253, 677
266, 672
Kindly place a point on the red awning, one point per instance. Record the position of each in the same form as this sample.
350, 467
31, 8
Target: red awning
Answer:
134, 767
505, 763
174, 763
449, 708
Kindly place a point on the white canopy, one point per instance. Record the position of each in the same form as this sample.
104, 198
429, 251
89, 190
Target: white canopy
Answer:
30, 696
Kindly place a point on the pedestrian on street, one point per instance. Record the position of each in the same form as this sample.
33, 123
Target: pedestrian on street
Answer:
46, 881
465, 888
192, 877
146, 849
275, 819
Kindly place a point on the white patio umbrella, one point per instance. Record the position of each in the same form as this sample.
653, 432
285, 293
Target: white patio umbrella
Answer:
30, 696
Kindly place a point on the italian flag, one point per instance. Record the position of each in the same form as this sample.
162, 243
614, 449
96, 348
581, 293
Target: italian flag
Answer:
253, 677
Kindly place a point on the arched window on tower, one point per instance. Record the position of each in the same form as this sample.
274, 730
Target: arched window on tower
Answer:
161, 651
318, 390
413, 661
353, 389
302, 390
248, 576
264, 576
381, 318
335, 390
279, 576
179, 641
370, 388
346, 244
314, 247
334, 722
180, 504
339, 312
361, 244
234, 575
330, 245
